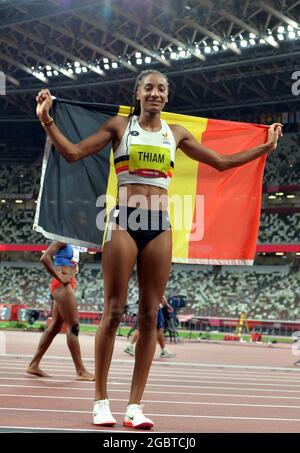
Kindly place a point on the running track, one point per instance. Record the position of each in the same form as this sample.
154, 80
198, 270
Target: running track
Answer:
207, 388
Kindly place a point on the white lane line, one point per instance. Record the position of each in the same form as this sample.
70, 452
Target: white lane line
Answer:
229, 395
102, 430
121, 371
150, 379
200, 403
159, 385
223, 417
161, 370
176, 364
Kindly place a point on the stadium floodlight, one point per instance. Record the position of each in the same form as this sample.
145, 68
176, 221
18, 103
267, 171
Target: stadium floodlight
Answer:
290, 28
207, 49
18, 201
290, 196
105, 60
76, 64
252, 35
244, 43
271, 40
216, 48
106, 66
39, 75
215, 42
114, 65
173, 55
262, 41
291, 34
3, 201
280, 37
281, 29
78, 70
272, 197
233, 44
84, 69
55, 72
224, 46
138, 55
70, 71
182, 54
48, 67
49, 73
252, 42
139, 61
148, 59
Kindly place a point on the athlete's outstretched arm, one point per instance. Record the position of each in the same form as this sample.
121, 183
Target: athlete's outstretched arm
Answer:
71, 151
189, 145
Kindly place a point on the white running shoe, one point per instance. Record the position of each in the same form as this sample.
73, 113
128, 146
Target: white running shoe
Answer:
134, 418
102, 415
165, 354
129, 350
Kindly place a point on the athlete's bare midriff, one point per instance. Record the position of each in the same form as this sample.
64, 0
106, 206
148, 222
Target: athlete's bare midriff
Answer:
143, 196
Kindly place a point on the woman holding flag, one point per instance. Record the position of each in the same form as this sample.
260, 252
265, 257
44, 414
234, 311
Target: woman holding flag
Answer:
139, 229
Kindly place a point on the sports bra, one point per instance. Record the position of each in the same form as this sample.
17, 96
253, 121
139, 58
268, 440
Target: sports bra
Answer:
66, 256
145, 157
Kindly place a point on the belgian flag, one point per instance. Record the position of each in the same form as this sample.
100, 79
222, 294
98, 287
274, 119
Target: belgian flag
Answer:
214, 215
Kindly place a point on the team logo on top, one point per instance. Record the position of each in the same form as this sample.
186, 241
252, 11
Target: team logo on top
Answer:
165, 138
134, 133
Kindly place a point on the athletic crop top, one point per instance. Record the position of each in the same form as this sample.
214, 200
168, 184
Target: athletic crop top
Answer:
66, 256
145, 157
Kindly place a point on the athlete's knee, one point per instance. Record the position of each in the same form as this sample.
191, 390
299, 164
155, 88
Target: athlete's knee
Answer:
74, 329
147, 318
114, 315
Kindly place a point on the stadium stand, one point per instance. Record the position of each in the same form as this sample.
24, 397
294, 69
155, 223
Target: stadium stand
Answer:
263, 292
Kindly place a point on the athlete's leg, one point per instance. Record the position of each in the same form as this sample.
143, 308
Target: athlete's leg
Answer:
45, 342
161, 338
118, 260
67, 307
153, 271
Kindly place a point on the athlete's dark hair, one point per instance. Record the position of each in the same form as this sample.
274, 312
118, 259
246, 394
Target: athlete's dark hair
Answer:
135, 108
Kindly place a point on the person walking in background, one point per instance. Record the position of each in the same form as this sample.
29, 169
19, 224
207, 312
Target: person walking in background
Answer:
160, 325
64, 310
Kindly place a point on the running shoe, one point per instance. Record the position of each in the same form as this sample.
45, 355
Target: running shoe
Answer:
129, 350
102, 415
134, 418
165, 354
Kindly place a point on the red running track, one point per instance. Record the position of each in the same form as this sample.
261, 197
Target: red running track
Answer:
206, 388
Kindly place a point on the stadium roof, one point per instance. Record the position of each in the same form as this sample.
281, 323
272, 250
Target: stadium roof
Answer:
223, 58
